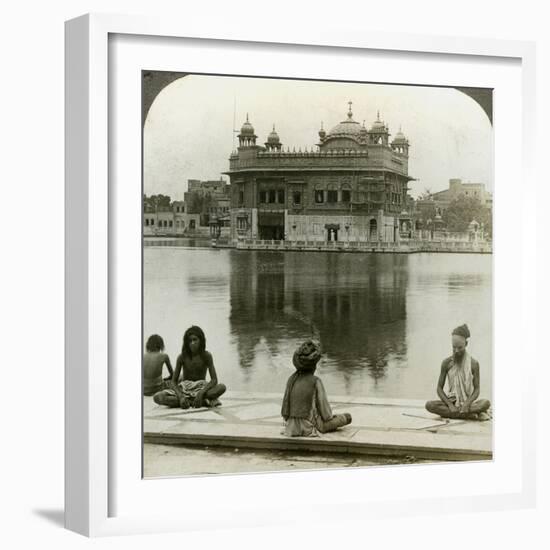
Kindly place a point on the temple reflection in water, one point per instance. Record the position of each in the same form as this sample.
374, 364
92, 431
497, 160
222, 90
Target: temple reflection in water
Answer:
355, 305
384, 320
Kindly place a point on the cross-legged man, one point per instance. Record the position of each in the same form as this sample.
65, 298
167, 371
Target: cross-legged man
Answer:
461, 372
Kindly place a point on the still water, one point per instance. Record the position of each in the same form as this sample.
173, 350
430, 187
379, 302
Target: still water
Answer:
384, 320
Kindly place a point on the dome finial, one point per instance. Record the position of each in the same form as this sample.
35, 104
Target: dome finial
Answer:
350, 114
322, 133
378, 115
246, 117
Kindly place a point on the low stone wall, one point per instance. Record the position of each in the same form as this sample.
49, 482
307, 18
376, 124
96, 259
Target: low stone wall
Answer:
402, 247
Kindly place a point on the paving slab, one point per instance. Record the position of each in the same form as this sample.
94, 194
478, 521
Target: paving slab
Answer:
239, 394
158, 411
394, 428
344, 433
257, 411
484, 428
204, 415
158, 426
421, 439
414, 403
389, 417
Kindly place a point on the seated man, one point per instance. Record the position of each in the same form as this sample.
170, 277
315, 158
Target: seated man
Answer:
153, 361
306, 409
462, 374
194, 390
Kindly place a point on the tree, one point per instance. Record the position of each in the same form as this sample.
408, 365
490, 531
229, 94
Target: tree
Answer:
154, 202
426, 195
463, 210
424, 209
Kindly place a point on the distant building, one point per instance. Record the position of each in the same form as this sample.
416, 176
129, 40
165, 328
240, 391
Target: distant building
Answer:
215, 188
178, 207
170, 220
210, 199
353, 187
428, 212
457, 187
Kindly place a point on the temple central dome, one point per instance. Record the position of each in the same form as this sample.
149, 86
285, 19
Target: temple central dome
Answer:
346, 128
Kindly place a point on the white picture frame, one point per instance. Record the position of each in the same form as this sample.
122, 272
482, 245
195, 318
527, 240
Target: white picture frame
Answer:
93, 440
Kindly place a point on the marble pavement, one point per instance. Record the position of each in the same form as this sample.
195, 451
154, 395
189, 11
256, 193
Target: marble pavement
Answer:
380, 427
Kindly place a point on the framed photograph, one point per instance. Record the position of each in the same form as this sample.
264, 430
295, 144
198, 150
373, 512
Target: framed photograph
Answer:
289, 262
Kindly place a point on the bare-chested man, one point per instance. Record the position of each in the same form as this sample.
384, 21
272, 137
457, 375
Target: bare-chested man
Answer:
195, 362
461, 371
153, 361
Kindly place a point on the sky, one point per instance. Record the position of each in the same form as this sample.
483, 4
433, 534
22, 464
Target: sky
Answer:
188, 131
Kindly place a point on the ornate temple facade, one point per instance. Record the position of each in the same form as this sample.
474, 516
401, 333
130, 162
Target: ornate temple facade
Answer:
351, 187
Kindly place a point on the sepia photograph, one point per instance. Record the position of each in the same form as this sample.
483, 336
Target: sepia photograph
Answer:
317, 274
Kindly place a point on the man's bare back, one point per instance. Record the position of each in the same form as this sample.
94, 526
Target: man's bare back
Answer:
152, 371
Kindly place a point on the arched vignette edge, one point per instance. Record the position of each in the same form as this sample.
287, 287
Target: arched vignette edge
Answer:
153, 82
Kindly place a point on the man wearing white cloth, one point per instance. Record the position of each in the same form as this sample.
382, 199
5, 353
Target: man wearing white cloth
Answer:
461, 371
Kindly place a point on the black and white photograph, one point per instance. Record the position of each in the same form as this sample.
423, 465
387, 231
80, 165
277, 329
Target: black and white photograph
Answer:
317, 274
281, 272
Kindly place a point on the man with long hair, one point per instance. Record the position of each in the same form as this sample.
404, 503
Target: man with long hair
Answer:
195, 362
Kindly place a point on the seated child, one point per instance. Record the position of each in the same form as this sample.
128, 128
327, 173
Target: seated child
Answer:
305, 408
153, 361
194, 390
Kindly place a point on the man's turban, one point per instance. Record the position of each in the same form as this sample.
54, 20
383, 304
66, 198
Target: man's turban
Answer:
307, 355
